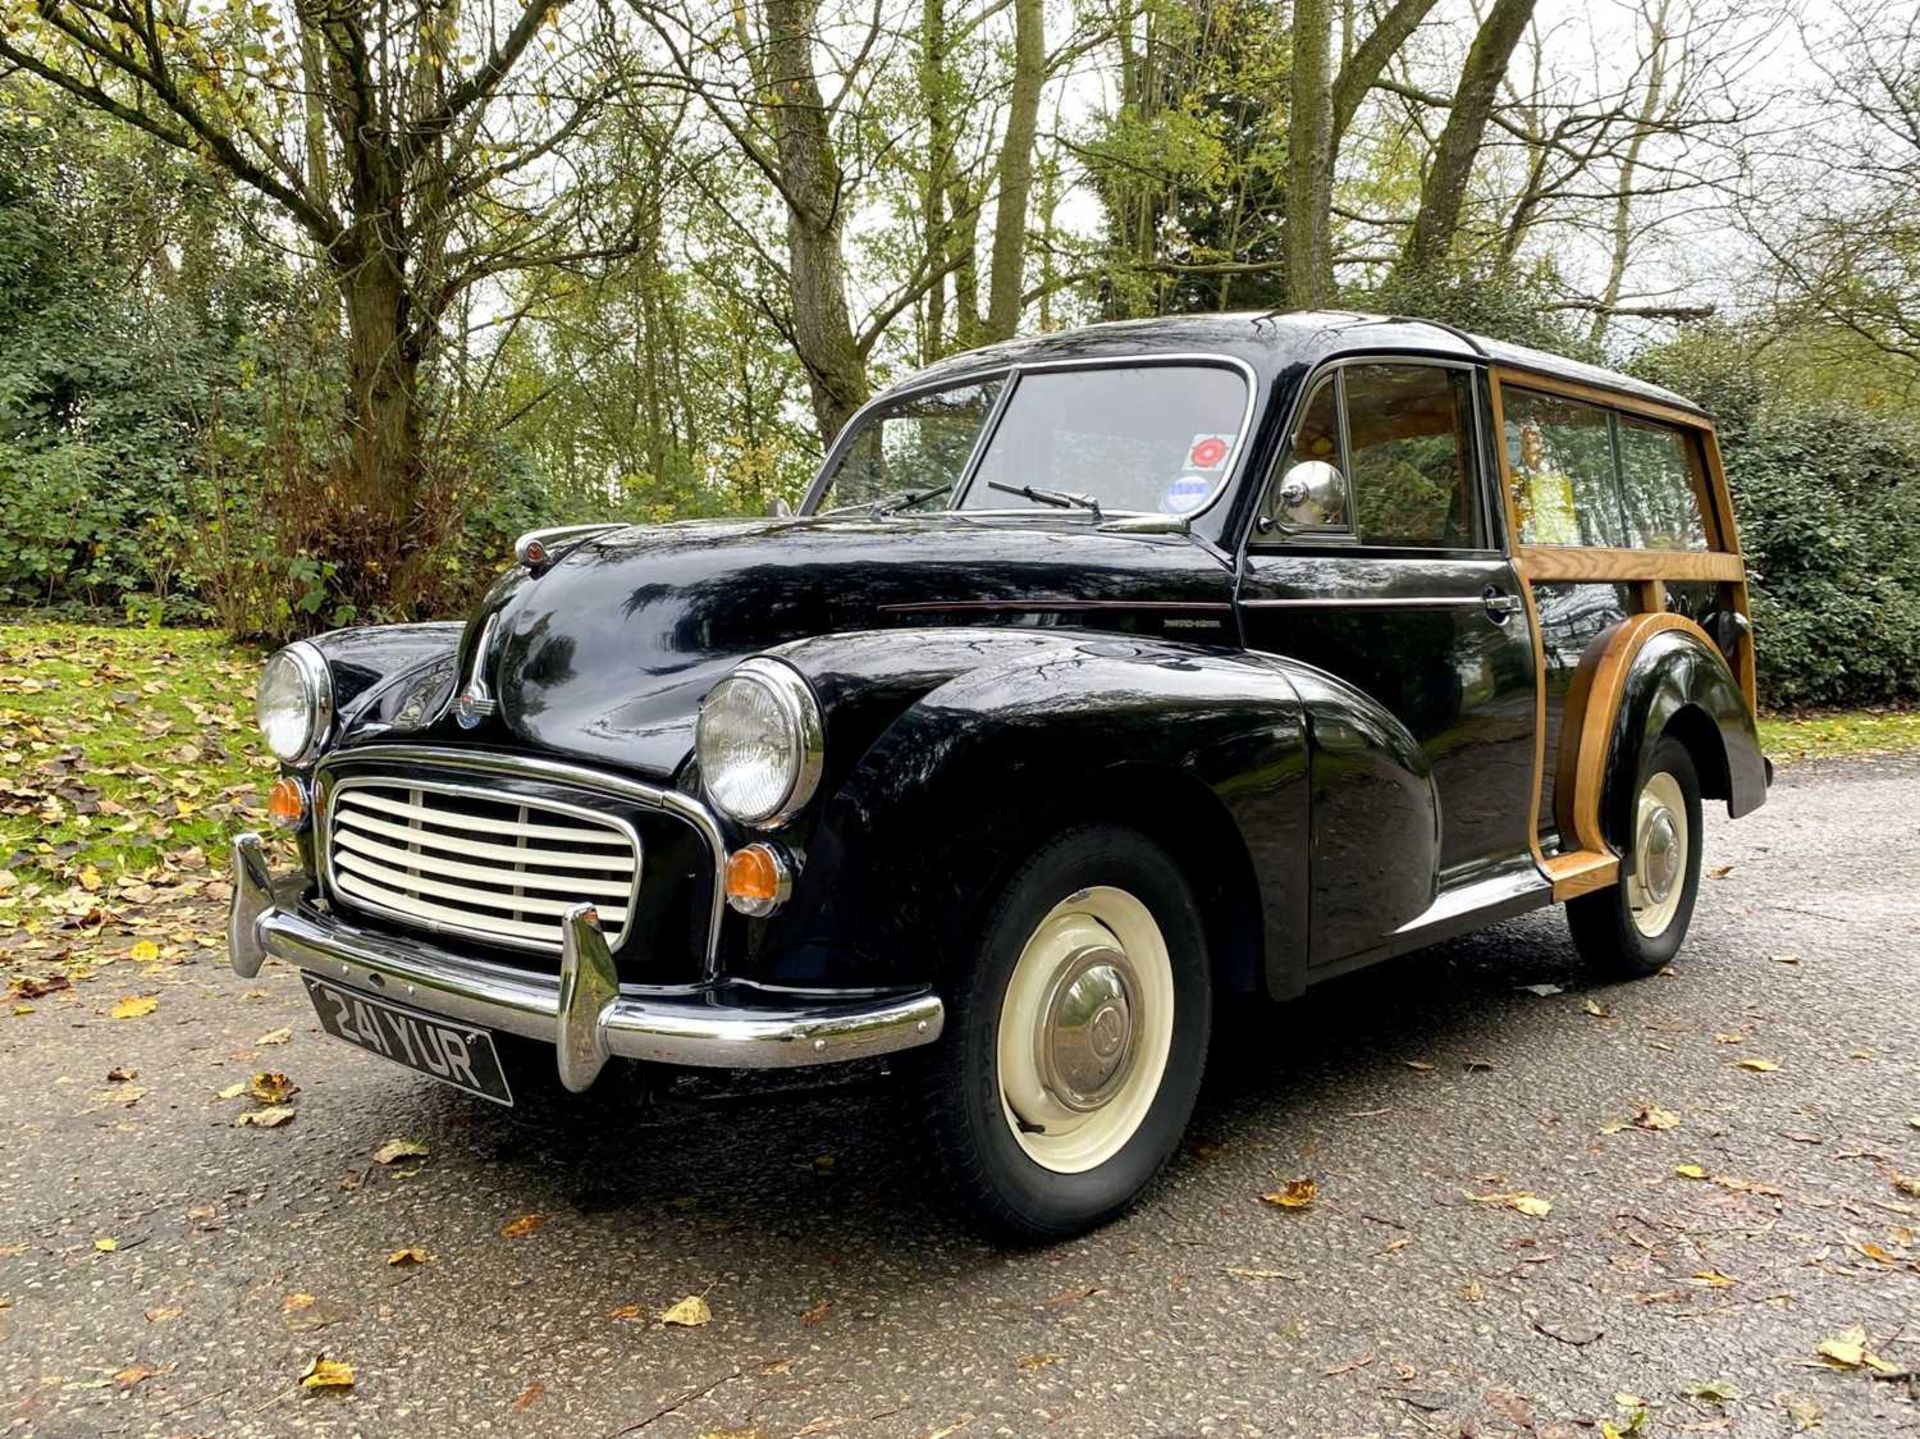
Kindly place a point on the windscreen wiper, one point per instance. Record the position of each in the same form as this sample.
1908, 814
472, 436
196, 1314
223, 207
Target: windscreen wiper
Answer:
887, 504
1059, 499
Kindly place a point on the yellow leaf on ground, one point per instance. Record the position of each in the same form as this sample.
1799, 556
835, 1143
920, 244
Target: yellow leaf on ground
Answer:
232, 1091
144, 951
134, 1374
106, 1246
1294, 1194
326, 1373
164, 1312
399, 1149
1691, 1171
406, 1258
624, 1311
521, 1227
270, 1118
1652, 1116
123, 1094
1876, 1253
1523, 1202
134, 1006
1713, 1278
275, 1036
1847, 1349
1758, 1066
270, 1086
1039, 1361
689, 1313
1907, 1185
89, 879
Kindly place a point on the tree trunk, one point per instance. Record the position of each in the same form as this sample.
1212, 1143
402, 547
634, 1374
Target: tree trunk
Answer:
935, 100
1310, 159
1443, 193
382, 468
811, 184
1016, 169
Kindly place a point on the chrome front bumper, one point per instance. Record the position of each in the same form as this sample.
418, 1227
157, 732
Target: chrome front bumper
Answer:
583, 1013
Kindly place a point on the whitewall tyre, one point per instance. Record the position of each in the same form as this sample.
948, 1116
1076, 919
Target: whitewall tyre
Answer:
1075, 1042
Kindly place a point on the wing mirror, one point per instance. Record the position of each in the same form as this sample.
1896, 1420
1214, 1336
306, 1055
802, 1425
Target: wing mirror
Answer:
1313, 494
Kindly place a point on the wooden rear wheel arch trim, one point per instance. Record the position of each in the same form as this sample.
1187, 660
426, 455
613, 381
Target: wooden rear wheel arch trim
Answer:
1592, 707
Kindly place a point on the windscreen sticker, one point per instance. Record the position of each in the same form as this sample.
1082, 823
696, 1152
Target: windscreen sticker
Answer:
1209, 452
1185, 495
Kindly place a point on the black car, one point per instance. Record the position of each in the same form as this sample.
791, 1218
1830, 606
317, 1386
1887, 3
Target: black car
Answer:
1101, 679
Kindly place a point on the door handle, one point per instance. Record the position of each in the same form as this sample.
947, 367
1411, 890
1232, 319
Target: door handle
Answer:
1500, 604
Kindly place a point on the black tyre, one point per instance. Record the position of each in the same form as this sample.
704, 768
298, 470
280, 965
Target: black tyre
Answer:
1635, 927
1075, 1040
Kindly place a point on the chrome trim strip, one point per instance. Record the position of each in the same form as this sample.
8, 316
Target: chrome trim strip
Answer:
1377, 602
486, 762
265, 919
346, 784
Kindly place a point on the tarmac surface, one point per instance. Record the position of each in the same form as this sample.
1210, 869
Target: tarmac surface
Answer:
1410, 1298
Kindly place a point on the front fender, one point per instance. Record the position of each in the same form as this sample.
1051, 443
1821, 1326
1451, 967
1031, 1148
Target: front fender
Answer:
1679, 680
1048, 729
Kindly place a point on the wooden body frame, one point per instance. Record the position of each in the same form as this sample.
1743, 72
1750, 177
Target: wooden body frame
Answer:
1586, 863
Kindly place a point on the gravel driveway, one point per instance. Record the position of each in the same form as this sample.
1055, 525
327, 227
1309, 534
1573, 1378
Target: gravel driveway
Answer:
164, 1270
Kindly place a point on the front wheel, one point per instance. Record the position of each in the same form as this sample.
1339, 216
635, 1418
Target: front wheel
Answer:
1635, 927
1075, 1041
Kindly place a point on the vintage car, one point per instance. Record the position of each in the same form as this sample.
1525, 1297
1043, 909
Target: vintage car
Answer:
1101, 679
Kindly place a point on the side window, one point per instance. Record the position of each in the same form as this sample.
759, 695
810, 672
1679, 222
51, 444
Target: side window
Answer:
1662, 507
1410, 455
1561, 453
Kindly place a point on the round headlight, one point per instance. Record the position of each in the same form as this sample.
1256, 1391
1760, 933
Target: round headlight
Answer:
760, 741
295, 703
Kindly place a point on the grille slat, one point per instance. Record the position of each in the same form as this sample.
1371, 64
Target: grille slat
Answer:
405, 849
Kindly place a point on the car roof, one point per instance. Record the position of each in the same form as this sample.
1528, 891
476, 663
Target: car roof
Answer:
1275, 343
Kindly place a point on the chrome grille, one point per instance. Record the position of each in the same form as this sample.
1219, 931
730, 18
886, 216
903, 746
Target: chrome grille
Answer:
476, 862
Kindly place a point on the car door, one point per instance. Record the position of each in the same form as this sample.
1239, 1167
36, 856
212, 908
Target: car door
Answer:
1394, 581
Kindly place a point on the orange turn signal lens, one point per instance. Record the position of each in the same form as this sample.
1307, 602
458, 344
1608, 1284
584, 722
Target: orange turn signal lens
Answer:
287, 803
759, 879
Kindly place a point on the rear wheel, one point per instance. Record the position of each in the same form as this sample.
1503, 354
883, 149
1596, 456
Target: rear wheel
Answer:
1635, 927
1076, 1039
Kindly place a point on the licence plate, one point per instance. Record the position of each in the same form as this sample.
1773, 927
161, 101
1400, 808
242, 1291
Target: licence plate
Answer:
455, 1054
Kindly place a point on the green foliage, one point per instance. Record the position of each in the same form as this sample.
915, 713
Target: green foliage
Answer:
1500, 304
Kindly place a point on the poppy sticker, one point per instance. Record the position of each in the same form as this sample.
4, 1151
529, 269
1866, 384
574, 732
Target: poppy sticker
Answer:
1209, 452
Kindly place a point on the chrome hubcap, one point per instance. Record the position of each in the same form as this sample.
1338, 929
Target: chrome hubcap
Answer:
1660, 853
1086, 1038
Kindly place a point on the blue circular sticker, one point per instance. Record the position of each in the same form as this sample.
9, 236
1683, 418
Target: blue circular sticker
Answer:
1185, 495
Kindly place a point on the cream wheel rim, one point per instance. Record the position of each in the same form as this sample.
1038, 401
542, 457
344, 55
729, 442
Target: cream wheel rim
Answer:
1085, 1029
1659, 874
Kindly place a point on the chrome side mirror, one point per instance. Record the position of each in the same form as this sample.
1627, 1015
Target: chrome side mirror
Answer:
779, 508
1313, 494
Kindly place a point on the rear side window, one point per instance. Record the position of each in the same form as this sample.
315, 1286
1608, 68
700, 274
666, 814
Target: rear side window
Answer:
1656, 488
1587, 475
1565, 491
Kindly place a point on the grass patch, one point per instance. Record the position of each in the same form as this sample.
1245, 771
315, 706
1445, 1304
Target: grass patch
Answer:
129, 759
1786, 738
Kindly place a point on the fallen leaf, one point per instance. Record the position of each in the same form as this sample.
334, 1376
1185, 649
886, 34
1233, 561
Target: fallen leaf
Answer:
134, 1374
123, 1094
326, 1373
164, 1312
1597, 1009
689, 1313
1758, 1066
1907, 1185
407, 1258
135, 1006
144, 952
1804, 1413
1544, 991
1875, 1252
1847, 1349
232, 1091
1714, 1391
119, 1074
1039, 1361
817, 1313
1523, 1202
270, 1118
521, 1227
1784, 958
1420, 1065
89, 879
1573, 1332
1294, 1194
271, 1087
399, 1149
624, 1311
1720, 871
106, 1246
275, 1036
1729, 1038
1652, 1116
1691, 1171
528, 1396
1713, 1278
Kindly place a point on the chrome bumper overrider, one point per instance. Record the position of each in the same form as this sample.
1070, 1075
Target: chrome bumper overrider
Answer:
583, 1013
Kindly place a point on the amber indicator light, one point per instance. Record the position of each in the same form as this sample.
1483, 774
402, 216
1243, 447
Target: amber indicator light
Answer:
287, 803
